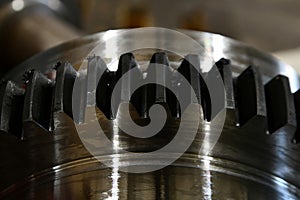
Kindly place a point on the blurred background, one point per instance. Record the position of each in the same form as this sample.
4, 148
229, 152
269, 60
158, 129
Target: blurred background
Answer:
269, 25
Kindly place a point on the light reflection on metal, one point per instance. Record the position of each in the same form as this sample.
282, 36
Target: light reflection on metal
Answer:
111, 46
115, 140
218, 47
207, 184
115, 176
17, 5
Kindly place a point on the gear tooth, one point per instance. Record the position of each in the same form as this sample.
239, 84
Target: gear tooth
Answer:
134, 78
255, 85
57, 65
126, 63
280, 105
184, 69
297, 110
160, 58
104, 93
27, 75
79, 98
250, 98
65, 78
107, 80
154, 93
38, 101
222, 63
191, 70
172, 97
11, 102
188, 71
224, 67
96, 67
100, 84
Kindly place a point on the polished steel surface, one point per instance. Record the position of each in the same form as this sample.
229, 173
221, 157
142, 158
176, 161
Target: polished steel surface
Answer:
246, 163
217, 46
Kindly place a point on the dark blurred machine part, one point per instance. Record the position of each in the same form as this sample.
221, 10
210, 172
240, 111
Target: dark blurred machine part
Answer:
29, 27
43, 157
245, 20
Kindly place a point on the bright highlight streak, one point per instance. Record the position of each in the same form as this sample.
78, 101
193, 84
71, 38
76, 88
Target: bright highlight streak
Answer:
17, 5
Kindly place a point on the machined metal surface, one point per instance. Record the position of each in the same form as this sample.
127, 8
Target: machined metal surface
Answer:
256, 156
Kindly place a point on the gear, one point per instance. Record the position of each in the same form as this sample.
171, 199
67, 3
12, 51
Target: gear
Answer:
254, 164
